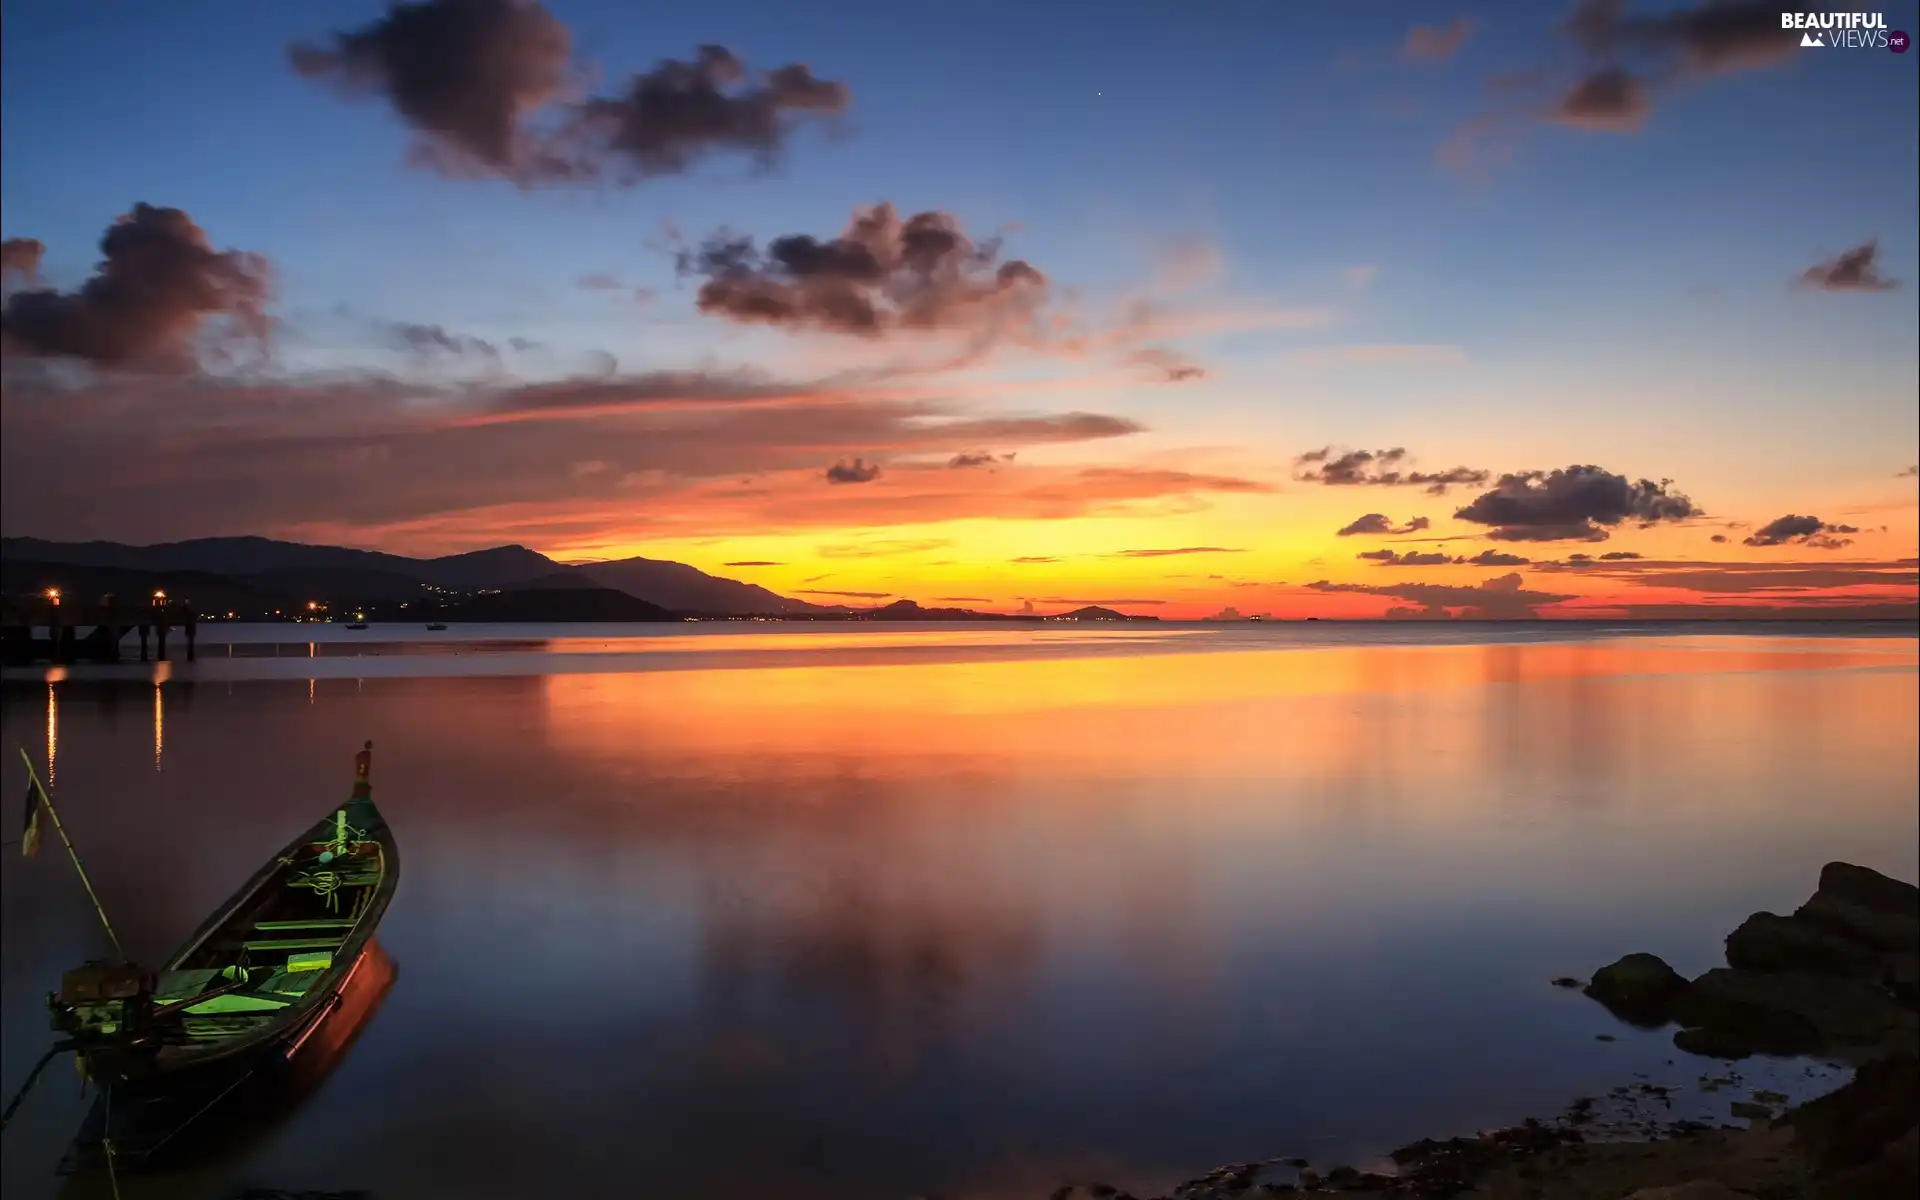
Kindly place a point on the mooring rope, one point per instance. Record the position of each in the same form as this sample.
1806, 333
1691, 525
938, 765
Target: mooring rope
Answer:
14, 1104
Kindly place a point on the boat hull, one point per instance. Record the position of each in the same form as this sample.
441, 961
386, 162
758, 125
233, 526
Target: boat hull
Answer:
150, 1118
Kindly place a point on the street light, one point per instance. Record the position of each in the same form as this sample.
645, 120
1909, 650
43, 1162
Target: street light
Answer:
53, 594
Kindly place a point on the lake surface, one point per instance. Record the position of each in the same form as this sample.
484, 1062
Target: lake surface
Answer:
870, 912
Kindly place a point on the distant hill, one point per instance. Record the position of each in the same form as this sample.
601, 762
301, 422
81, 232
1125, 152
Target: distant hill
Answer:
246, 557
1093, 612
907, 610
689, 590
209, 593
296, 572
537, 605
260, 575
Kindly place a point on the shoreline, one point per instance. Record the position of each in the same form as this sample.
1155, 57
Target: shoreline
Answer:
1831, 986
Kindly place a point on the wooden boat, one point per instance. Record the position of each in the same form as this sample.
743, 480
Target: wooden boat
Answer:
214, 1117
251, 985
436, 627
356, 624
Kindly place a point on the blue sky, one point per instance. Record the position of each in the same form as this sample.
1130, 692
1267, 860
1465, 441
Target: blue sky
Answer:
1602, 290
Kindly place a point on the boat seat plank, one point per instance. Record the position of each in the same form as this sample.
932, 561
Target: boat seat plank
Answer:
179, 985
322, 923
328, 943
224, 1025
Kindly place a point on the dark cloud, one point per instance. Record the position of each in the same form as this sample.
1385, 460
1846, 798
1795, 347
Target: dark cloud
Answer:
1855, 271
434, 339
1718, 537
1498, 599
466, 74
1380, 468
1429, 43
601, 282
1579, 503
1909, 473
1409, 558
1805, 531
1378, 523
673, 116
1630, 62
977, 458
474, 77
1618, 556
1167, 367
1032, 559
158, 287
1182, 550
857, 471
1715, 38
20, 258
1611, 99
753, 563
1496, 558
881, 275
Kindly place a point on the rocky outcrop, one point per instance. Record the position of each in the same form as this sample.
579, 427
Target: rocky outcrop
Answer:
1866, 907
1639, 989
1791, 1012
1766, 942
1841, 975
1864, 1140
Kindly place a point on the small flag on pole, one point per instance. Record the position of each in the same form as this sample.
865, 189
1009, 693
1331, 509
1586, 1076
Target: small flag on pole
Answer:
30, 833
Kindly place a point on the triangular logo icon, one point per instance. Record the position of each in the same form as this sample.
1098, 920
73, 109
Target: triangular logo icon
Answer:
1811, 39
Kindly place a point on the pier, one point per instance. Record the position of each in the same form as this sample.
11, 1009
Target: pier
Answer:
52, 628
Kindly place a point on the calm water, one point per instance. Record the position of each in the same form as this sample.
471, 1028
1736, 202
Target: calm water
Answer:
876, 912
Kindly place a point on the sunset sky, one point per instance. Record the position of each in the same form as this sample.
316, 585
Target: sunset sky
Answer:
1407, 308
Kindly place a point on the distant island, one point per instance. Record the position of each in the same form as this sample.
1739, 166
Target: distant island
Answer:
260, 579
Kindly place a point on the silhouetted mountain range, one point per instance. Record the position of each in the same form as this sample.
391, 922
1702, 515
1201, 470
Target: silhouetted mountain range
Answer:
255, 577
263, 574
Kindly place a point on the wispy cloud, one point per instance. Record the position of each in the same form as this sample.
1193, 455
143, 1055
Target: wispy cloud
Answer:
882, 549
1437, 43
1179, 551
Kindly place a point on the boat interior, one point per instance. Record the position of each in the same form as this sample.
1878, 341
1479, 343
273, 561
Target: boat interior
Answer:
279, 942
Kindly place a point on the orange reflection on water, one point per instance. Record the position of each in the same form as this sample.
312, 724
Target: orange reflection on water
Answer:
1286, 719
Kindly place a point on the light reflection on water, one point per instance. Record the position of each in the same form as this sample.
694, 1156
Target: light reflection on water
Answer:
965, 925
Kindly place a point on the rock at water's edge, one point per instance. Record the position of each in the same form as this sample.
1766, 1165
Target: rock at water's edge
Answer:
1791, 1013
1893, 932
1852, 1125
1768, 942
1639, 988
1870, 889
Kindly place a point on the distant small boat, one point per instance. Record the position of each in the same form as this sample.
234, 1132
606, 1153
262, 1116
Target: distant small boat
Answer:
436, 627
356, 625
245, 992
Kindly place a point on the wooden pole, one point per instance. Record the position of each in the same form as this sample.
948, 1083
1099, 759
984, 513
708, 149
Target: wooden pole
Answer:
47, 802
